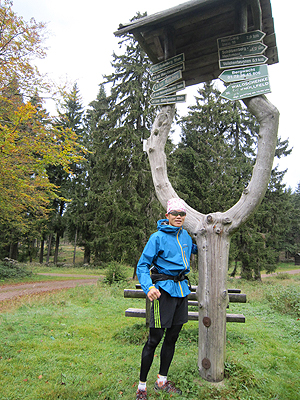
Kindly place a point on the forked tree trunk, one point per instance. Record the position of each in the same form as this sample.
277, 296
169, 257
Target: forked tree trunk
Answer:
213, 232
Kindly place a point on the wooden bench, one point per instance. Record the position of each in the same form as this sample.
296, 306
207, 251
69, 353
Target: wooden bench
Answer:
235, 296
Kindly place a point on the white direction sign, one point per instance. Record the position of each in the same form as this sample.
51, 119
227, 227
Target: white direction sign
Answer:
241, 74
250, 88
243, 51
181, 98
169, 90
159, 75
241, 38
167, 81
167, 64
242, 61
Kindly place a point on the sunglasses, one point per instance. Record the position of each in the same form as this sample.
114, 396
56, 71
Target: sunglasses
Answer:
176, 213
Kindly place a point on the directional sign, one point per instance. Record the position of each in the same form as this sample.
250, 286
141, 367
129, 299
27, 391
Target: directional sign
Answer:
242, 61
243, 51
242, 90
168, 81
242, 38
167, 64
169, 90
159, 75
181, 98
240, 74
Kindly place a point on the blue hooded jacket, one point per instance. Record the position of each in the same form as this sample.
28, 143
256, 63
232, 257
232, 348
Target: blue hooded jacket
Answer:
169, 249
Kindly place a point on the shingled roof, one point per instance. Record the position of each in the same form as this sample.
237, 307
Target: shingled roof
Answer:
194, 27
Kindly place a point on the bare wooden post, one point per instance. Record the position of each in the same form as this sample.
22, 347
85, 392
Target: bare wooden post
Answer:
213, 232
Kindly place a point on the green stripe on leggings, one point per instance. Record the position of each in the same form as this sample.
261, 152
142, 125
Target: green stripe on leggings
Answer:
156, 314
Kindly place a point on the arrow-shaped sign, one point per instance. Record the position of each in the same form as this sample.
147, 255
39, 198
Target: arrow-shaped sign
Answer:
181, 98
242, 38
169, 90
159, 75
167, 64
242, 61
241, 74
243, 51
242, 90
168, 81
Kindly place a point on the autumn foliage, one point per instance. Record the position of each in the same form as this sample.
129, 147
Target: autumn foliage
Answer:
29, 141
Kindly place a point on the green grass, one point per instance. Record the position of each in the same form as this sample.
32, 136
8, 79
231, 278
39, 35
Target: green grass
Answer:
77, 344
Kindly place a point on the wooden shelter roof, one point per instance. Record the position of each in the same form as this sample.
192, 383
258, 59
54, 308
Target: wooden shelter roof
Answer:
194, 27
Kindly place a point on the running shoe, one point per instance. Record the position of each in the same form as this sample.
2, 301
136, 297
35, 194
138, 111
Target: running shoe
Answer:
168, 387
141, 394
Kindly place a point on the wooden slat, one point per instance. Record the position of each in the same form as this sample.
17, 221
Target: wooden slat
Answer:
193, 315
194, 288
139, 294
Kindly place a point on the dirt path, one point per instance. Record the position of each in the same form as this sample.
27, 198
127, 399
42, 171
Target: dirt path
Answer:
8, 292
291, 272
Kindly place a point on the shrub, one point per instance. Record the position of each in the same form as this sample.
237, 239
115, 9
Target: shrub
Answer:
115, 273
282, 275
285, 300
11, 269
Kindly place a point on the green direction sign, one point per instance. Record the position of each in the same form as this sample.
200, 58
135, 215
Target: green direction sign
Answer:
158, 76
169, 90
242, 61
168, 81
240, 74
243, 51
167, 64
242, 38
244, 89
181, 98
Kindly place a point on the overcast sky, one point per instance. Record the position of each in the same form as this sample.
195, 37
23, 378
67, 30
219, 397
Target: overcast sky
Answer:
81, 43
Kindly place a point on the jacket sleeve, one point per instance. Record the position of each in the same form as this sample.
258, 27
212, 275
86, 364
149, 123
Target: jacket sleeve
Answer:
143, 267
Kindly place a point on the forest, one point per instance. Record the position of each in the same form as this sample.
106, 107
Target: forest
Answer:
82, 175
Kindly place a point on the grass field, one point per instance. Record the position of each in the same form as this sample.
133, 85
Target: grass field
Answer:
77, 344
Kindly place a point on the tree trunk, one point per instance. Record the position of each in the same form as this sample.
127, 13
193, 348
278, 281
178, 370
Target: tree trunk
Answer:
49, 247
56, 248
13, 251
213, 232
233, 273
87, 255
75, 244
41, 258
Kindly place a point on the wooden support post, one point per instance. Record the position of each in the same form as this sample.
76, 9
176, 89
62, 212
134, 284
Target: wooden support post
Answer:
241, 16
256, 14
148, 309
169, 42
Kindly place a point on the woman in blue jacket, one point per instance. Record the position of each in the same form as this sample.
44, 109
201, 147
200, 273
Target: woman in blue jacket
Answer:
162, 270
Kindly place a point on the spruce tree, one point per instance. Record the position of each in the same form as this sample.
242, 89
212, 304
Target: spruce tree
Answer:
122, 191
70, 184
215, 155
215, 160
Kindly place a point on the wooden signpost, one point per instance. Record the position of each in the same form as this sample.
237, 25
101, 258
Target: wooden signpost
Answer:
187, 27
167, 73
244, 50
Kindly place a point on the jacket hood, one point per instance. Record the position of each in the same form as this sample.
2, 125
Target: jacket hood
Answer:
163, 225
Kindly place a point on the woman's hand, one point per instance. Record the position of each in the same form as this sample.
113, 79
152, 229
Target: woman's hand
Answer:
153, 294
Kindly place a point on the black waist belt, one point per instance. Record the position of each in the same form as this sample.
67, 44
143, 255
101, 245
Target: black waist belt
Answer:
177, 278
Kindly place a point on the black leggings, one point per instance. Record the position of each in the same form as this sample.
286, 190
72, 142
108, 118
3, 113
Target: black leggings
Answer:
167, 350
